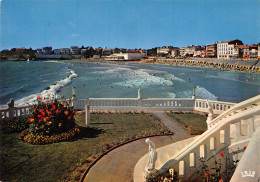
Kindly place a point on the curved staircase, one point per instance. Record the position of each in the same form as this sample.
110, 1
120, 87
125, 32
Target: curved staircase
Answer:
228, 133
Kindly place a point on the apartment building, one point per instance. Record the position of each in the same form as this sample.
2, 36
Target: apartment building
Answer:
225, 50
211, 50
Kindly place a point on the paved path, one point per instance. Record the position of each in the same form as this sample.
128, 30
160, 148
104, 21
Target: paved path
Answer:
118, 165
174, 127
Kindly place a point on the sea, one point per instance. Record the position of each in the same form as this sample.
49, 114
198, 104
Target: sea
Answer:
24, 81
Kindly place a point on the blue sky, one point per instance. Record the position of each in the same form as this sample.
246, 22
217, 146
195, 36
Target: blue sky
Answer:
127, 23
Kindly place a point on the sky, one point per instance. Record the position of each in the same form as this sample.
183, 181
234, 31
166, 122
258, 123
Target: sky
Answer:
127, 23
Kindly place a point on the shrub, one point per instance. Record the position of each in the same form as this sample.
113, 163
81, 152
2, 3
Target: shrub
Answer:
14, 125
51, 118
51, 121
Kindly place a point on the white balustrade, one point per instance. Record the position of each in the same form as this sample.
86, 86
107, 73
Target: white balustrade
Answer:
245, 116
15, 112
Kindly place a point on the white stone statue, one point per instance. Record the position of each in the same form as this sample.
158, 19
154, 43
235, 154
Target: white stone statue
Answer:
152, 155
139, 93
210, 113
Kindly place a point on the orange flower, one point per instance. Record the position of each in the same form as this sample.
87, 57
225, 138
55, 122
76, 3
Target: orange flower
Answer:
59, 124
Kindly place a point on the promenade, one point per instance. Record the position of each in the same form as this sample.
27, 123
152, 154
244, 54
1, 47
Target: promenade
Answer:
119, 164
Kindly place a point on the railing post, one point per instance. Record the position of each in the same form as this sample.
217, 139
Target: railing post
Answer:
87, 115
11, 108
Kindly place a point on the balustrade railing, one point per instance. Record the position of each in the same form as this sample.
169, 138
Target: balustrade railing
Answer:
15, 112
134, 102
218, 107
227, 134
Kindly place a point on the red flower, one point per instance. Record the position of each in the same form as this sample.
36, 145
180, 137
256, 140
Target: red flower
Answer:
69, 117
40, 98
48, 122
29, 119
245, 147
43, 113
53, 107
221, 154
207, 174
39, 115
66, 112
41, 110
57, 111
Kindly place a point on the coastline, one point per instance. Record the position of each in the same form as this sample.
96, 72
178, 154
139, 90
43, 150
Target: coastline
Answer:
252, 66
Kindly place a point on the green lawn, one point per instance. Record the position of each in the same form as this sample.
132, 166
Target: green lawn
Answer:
198, 122
54, 162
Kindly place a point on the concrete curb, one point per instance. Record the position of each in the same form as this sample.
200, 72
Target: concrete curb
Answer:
109, 150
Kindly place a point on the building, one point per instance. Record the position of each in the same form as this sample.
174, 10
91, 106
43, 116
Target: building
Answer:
107, 52
47, 50
82, 51
125, 57
238, 51
165, 50
74, 50
56, 51
175, 52
211, 50
189, 51
259, 50
65, 51
225, 50
250, 51
39, 52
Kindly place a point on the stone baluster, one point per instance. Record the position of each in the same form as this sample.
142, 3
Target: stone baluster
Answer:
181, 168
192, 159
238, 131
250, 127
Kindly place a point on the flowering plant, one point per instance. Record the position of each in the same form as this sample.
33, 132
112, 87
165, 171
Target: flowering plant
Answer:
51, 117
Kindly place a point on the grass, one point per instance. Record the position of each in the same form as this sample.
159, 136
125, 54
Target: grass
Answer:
198, 122
55, 162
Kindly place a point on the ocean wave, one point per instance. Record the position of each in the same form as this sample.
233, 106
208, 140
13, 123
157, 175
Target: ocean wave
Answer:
146, 78
203, 93
49, 92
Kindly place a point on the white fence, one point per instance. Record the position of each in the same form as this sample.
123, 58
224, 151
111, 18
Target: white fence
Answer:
15, 112
176, 104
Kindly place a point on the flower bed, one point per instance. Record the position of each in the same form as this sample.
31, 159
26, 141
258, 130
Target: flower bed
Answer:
52, 121
31, 138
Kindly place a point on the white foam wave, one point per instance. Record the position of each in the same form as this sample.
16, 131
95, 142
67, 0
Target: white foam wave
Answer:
172, 95
50, 92
146, 78
203, 93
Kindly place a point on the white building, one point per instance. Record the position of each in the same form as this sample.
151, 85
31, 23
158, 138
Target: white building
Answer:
74, 50
125, 57
164, 50
225, 50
